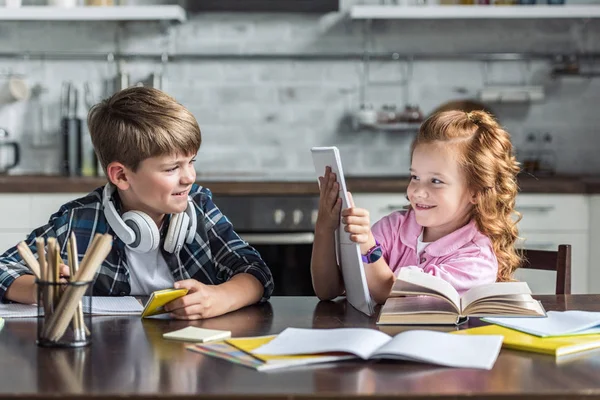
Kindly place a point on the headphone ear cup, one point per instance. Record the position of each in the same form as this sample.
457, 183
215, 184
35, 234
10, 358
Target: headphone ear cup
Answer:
147, 236
172, 233
124, 232
176, 233
193, 225
182, 229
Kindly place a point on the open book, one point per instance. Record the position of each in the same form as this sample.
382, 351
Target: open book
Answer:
431, 300
369, 344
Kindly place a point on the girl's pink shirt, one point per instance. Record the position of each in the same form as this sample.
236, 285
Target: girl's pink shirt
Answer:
464, 258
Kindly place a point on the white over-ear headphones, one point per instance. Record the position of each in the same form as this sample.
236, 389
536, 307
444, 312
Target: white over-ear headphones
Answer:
139, 232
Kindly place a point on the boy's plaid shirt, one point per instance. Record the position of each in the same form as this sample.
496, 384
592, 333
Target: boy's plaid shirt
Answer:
216, 254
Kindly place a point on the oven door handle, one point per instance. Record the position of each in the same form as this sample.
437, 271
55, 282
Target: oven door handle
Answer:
279, 238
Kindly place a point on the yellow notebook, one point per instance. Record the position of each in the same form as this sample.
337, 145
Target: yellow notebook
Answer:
557, 346
158, 299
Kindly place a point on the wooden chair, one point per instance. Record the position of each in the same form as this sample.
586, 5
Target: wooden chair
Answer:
559, 261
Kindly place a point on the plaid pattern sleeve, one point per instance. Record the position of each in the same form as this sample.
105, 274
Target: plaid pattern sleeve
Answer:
222, 248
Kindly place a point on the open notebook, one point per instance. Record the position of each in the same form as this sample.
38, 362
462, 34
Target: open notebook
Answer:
109, 305
370, 344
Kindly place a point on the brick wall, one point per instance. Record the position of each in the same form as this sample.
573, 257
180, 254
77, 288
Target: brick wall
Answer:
259, 118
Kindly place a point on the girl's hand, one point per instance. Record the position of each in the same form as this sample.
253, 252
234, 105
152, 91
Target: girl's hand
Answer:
330, 203
358, 224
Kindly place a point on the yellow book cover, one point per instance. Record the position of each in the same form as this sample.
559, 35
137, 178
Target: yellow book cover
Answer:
557, 346
158, 299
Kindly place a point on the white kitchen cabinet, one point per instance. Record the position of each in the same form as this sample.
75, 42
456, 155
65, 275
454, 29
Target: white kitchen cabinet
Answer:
548, 220
553, 219
46, 204
553, 212
594, 243
22, 213
15, 211
544, 282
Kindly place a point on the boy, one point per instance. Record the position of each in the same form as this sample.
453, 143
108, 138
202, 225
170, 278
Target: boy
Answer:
167, 230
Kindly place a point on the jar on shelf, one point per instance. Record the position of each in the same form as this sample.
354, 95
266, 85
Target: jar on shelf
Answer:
100, 3
530, 154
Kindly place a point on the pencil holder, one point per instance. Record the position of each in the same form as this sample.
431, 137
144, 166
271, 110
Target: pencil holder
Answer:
64, 314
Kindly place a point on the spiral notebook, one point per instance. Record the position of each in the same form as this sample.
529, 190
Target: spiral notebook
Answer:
105, 305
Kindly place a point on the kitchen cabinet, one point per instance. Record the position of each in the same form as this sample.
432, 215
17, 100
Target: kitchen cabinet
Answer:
594, 244
21, 213
548, 220
553, 219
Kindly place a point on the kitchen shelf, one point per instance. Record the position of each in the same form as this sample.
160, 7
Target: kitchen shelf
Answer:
397, 127
171, 13
475, 12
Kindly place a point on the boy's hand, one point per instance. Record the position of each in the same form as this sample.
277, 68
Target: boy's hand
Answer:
358, 224
330, 203
64, 271
202, 301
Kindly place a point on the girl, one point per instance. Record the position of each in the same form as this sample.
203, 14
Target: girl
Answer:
459, 224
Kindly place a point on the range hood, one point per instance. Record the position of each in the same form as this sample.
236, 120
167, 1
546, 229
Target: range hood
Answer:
302, 6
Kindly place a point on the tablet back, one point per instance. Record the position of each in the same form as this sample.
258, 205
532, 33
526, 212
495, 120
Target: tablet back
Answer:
347, 252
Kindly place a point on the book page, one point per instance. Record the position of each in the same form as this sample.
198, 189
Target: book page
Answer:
361, 342
506, 309
493, 289
17, 310
430, 282
113, 305
101, 305
443, 349
558, 323
418, 304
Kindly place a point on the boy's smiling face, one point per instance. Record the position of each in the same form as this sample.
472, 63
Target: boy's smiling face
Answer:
159, 186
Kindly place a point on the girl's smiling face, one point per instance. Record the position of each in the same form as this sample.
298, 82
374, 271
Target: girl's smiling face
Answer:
438, 190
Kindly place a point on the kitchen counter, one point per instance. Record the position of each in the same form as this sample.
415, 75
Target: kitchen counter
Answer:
297, 186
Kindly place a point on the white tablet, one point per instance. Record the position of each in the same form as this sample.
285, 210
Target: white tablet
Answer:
347, 252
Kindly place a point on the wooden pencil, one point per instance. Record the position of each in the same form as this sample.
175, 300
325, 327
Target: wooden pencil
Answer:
29, 259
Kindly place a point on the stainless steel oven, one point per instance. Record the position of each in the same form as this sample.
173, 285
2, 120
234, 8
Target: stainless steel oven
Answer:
281, 229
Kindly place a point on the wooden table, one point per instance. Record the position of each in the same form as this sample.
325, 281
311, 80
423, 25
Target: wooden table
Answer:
128, 358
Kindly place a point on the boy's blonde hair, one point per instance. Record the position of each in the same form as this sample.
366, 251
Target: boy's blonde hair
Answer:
484, 151
138, 123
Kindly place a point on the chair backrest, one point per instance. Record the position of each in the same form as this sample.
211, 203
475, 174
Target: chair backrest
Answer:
559, 261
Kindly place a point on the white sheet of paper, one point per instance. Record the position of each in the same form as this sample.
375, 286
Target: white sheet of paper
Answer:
359, 341
557, 323
101, 305
113, 305
462, 351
